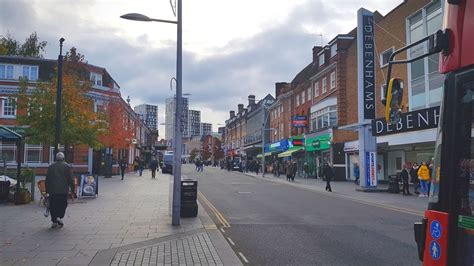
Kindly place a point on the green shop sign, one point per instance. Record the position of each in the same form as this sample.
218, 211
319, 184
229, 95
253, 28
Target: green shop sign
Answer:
318, 143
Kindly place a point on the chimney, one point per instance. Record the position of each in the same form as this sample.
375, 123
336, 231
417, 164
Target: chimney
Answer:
251, 100
241, 108
232, 114
280, 88
316, 50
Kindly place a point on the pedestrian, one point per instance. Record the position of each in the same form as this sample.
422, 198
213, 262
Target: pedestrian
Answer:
328, 173
405, 175
356, 173
58, 182
289, 171
305, 170
257, 167
141, 165
294, 169
123, 164
424, 177
414, 177
136, 165
153, 166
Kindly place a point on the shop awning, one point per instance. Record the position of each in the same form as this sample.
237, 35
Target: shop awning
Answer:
259, 155
289, 152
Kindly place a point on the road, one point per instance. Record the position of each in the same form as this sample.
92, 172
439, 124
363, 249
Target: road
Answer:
269, 223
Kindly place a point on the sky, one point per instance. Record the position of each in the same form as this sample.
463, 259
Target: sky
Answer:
231, 48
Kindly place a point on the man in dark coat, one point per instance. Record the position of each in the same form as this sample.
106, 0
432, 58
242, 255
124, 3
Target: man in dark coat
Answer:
58, 182
328, 173
153, 166
294, 169
405, 174
123, 166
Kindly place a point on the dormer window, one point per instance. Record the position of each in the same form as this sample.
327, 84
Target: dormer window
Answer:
321, 59
96, 79
30, 72
333, 49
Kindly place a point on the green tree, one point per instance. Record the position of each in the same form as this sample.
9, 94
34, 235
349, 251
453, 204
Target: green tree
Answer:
79, 123
194, 153
31, 47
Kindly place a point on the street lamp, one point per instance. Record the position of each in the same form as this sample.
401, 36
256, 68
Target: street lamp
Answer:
57, 132
175, 220
263, 147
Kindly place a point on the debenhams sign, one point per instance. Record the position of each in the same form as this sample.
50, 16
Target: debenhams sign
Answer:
411, 121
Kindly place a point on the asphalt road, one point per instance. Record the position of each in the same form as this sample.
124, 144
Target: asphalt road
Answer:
269, 223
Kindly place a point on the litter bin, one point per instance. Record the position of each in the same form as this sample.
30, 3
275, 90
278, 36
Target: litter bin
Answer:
393, 186
189, 207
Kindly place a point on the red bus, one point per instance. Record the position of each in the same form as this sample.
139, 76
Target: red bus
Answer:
445, 236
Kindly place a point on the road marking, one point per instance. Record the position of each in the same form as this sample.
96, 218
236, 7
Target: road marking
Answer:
218, 215
222, 230
243, 257
230, 241
244, 192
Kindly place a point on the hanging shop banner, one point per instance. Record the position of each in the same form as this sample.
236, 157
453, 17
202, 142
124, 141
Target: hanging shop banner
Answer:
89, 185
278, 146
295, 142
300, 121
366, 63
322, 142
410, 121
371, 169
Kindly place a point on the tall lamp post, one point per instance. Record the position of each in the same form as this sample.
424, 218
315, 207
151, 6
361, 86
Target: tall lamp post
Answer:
175, 220
57, 126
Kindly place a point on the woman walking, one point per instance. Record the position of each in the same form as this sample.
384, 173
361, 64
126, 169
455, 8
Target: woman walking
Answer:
328, 173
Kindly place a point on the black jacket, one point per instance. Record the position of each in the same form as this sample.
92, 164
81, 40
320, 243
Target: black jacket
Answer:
59, 179
405, 175
153, 164
328, 172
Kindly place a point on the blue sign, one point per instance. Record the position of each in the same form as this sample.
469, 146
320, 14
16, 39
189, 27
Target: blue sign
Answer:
371, 169
435, 250
435, 229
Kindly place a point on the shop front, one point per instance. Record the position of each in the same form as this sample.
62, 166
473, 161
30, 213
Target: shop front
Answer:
271, 154
295, 152
317, 152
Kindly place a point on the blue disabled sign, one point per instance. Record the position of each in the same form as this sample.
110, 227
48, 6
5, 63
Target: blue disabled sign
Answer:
435, 229
435, 250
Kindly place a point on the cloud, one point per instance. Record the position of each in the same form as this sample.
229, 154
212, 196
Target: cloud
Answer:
218, 80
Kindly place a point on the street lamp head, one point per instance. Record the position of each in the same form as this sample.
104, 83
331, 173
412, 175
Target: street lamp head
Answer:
136, 17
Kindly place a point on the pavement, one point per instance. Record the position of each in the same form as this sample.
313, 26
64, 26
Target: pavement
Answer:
128, 223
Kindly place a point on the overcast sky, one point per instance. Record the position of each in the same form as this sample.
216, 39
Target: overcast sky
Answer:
231, 48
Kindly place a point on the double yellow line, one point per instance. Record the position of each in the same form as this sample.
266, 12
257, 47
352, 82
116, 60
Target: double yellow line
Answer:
218, 215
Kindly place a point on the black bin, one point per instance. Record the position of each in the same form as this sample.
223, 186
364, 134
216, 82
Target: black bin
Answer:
393, 186
189, 207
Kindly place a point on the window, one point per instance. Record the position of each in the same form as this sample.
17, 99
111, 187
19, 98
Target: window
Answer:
333, 49
303, 97
425, 83
96, 79
30, 72
333, 80
9, 109
8, 152
309, 94
324, 118
324, 85
33, 153
6, 72
297, 100
316, 89
321, 59
385, 56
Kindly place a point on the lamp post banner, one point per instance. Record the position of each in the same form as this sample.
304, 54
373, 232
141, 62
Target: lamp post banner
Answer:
371, 169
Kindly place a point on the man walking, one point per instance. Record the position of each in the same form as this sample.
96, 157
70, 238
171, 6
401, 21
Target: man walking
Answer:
356, 173
405, 175
58, 181
153, 166
123, 166
328, 173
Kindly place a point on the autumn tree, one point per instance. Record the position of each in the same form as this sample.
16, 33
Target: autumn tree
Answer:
119, 126
79, 123
194, 153
31, 47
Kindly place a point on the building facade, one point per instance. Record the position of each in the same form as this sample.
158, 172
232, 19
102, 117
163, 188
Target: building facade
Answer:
194, 124
170, 110
148, 114
206, 129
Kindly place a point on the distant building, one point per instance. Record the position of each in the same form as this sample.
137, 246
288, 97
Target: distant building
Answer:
148, 114
194, 124
206, 129
169, 117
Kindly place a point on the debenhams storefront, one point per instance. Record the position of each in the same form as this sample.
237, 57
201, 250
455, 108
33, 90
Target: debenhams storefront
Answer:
412, 139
